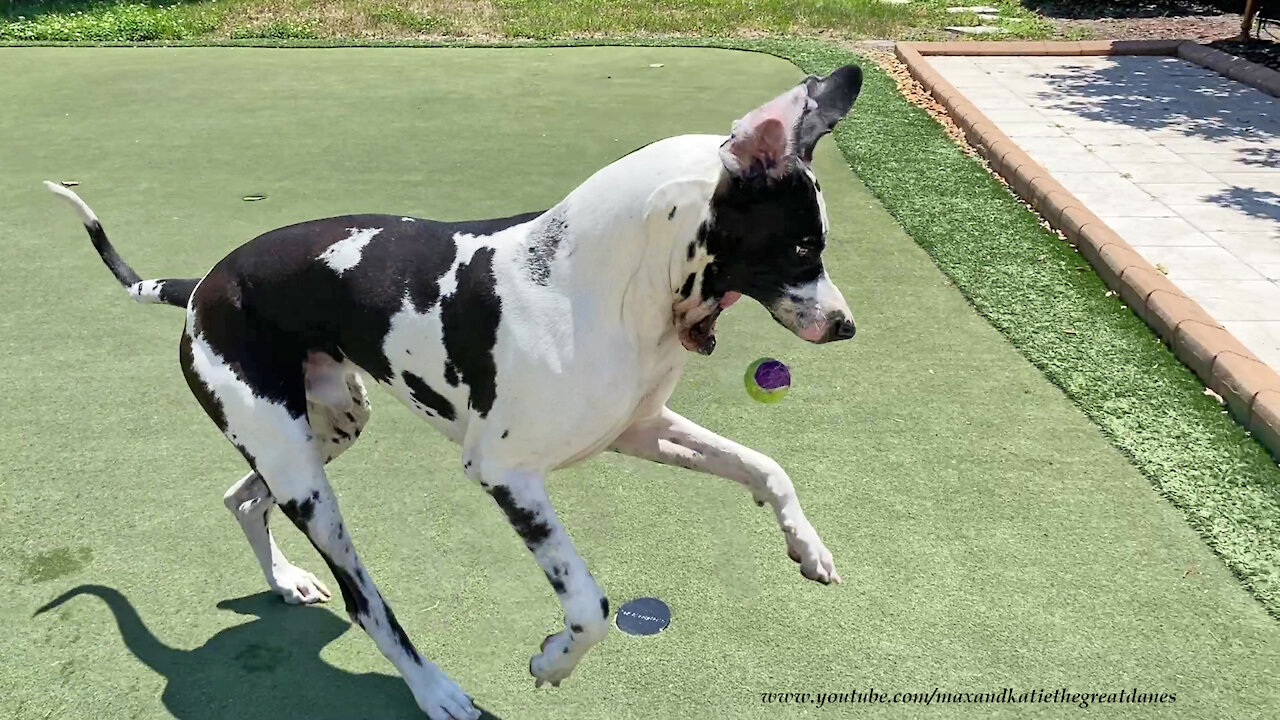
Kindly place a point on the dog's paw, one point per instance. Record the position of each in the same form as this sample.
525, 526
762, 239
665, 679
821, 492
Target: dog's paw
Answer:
441, 698
555, 662
299, 587
815, 559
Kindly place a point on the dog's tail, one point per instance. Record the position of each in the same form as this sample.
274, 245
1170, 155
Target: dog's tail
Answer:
171, 291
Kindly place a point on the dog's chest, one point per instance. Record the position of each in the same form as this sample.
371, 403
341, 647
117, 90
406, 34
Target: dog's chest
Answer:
557, 419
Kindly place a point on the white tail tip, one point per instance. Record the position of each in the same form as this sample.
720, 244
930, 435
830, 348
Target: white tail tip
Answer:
146, 292
86, 215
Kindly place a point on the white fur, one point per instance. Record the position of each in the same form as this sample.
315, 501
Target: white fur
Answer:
674, 440
86, 215
250, 501
147, 291
345, 254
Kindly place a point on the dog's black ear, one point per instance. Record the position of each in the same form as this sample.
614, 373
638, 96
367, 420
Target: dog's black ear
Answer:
829, 100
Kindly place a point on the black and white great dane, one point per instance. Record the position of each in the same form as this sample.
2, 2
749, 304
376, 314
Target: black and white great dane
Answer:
534, 342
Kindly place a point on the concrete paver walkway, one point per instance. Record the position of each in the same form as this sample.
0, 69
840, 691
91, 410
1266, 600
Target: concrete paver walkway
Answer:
1182, 162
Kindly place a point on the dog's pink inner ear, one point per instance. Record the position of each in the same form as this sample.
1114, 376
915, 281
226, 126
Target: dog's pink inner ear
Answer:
760, 148
762, 139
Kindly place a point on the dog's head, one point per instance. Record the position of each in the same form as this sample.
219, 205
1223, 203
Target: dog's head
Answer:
767, 227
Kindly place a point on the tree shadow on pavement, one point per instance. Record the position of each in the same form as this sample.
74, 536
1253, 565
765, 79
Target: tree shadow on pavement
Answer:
1250, 201
1161, 93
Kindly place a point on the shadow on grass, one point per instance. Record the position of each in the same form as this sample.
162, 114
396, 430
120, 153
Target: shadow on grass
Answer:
267, 668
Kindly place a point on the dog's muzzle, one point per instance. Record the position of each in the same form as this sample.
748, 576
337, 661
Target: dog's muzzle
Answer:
816, 312
839, 327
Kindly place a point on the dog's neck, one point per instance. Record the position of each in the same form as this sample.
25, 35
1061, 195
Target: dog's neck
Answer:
631, 224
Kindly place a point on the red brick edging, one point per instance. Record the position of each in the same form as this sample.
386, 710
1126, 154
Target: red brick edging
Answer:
1250, 387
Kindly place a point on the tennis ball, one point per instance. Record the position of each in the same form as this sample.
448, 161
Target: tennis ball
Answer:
767, 380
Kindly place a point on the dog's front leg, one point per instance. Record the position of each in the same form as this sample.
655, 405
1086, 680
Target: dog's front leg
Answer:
522, 495
674, 440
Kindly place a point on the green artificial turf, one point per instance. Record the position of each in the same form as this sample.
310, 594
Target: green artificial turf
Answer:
1042, 294
989, 534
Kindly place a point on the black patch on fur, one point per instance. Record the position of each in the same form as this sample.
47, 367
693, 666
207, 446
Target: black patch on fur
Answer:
672, 214
687, 288
301, 511
114, 262
544, 241
352, 596
271, 301
451, 374
260, 355
401, 637
756, 225
531, 528
831, 99
604, 607
212, 406
469, 320
177, 291
424, 396
505, 433
575, 628
693, 249
556, 583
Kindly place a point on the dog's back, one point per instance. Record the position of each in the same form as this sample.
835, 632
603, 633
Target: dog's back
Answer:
333, 285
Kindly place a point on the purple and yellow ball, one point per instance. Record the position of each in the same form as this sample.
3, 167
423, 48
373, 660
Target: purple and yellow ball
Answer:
767, 380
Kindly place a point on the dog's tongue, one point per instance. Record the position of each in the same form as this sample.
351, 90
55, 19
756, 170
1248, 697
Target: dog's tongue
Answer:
729, 298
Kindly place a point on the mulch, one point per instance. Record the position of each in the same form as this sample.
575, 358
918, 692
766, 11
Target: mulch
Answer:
1216, 24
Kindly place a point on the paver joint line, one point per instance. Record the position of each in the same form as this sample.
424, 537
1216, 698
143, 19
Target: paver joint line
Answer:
1167, 311
1250, 387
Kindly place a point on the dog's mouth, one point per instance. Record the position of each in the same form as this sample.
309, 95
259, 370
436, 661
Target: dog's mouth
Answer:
700, 335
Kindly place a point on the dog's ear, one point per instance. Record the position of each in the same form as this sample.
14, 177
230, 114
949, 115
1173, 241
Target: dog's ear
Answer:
761, 140
766, 138
829, 100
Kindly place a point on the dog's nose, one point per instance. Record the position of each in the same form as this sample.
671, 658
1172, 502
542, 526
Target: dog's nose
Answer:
840, 328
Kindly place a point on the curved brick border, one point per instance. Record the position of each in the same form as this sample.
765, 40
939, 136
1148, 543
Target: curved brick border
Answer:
1250, 388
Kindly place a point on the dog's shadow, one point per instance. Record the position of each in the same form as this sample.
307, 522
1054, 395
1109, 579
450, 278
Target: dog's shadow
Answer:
268, 668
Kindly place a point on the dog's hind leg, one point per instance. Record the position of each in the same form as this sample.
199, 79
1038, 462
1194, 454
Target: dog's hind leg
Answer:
522, 496
674, 440
313, 508
337, 412
254, 384
251, 502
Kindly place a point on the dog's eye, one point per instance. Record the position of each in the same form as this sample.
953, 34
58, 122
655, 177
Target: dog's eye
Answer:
802, 251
